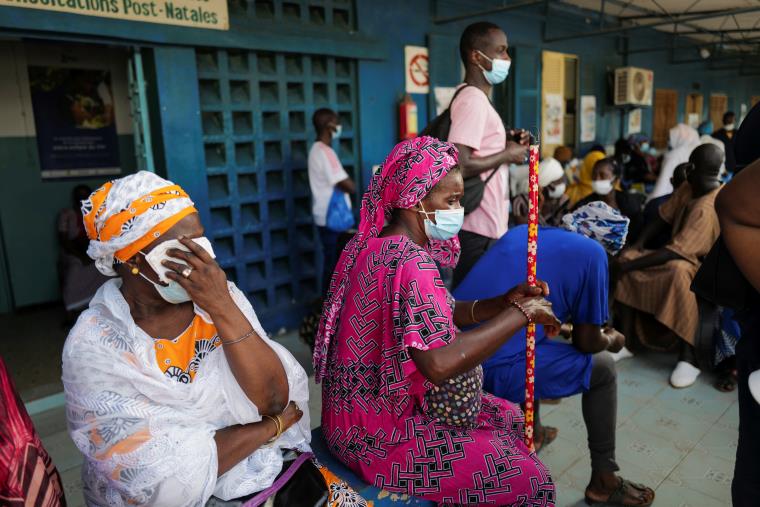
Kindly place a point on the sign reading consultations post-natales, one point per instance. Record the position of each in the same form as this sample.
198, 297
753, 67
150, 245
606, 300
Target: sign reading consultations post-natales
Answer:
190, 13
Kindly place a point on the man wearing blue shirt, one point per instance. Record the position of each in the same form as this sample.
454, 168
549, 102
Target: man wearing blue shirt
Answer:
575, 268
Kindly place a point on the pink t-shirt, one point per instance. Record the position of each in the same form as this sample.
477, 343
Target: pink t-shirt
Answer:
475, 123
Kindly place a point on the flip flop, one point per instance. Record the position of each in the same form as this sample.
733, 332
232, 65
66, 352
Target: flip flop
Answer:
621, 493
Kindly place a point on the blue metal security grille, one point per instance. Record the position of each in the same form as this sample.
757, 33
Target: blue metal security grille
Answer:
256, 111
337, 14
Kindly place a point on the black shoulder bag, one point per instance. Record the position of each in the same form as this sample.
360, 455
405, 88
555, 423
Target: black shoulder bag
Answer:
474, 186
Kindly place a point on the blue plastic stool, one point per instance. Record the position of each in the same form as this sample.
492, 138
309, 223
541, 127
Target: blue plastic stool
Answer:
379, 497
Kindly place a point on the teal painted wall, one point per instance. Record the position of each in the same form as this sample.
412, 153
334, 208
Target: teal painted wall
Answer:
400, 23
29, 208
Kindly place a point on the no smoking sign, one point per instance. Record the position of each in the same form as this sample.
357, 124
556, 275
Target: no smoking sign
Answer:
416, 69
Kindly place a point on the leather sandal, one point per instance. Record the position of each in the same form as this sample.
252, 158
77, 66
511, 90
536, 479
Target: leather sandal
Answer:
618, 497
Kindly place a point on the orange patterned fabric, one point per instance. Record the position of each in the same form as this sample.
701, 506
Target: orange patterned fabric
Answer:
180, 358
115, 224
152, 235
125, 215
339, 493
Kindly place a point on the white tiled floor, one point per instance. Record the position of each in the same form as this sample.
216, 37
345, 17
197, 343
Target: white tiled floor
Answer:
680, 442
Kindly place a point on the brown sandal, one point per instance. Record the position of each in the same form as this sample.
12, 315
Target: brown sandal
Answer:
548, 435
621, 493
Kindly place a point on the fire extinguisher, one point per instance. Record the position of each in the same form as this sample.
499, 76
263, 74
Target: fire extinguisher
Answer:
407, 116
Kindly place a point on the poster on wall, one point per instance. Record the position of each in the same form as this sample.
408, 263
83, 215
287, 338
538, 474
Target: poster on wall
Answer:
74, 119
588, 118
634, 121
553, 119
416, 68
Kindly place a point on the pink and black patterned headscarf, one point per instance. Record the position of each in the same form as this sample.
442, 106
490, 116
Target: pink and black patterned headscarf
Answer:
409, 173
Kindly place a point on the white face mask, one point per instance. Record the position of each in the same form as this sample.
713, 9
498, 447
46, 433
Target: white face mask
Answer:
557, 191
729, 126
337, 132
173, 292
602, 187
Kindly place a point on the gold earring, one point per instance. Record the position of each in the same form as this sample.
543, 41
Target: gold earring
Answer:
135, 271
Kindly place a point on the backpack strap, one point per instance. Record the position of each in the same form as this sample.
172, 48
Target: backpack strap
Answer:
457, 93
490, 176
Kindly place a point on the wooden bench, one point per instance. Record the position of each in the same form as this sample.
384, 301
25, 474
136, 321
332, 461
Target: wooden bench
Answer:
378, 497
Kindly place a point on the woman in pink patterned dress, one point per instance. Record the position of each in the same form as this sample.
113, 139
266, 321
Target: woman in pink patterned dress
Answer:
402, 399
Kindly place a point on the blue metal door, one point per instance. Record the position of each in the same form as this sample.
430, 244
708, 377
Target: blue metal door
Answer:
256, 110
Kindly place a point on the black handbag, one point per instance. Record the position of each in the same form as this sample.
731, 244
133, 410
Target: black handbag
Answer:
300, 483
720, 281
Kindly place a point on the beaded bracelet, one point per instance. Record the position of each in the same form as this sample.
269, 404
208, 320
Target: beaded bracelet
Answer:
521, 309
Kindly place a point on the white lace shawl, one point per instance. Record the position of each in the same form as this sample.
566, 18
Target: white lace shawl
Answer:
149, 440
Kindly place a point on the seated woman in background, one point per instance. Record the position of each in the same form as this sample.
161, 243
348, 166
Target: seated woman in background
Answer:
392, 359
79, 277
174, 393
580, 187
605, 178
551, 179
682, 141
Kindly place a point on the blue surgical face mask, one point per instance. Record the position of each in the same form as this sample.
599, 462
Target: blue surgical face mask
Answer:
447, 223
645, 147
173, 293
499, 69
337, 132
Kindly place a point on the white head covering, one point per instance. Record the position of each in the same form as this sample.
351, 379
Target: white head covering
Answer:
683, 135
549, 171
133, 193
683, 140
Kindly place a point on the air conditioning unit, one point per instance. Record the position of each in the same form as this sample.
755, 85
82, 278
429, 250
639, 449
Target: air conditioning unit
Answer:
633, 86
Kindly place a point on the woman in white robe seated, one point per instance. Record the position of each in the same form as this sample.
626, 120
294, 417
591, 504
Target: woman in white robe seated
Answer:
174, 393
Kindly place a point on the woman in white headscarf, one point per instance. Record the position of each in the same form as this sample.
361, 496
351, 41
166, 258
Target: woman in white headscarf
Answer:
554, 202
683, 140
174, 393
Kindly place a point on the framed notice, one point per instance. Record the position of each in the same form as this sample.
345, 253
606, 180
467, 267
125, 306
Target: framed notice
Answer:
191, 13
588, 118
553, 119
634, 121
74, 120
416, 67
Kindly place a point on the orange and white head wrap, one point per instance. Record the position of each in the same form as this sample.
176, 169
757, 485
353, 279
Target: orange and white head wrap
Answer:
124, 216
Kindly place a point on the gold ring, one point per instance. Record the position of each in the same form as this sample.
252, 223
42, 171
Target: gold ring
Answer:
186, 272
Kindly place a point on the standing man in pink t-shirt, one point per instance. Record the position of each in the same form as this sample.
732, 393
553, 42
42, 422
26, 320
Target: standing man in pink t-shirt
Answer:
485, 146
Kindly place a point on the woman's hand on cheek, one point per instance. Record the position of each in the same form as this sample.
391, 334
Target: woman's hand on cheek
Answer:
206, 282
